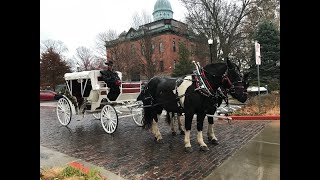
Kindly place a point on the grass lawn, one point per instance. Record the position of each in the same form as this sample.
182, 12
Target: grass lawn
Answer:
270, 105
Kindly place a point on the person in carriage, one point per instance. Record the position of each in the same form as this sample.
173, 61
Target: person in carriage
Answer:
111, 78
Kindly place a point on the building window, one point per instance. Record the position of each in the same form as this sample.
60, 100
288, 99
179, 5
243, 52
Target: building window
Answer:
152, 47
161, 66
142, 49
132, 49
142, 68
174, 46
174, 64
161, 47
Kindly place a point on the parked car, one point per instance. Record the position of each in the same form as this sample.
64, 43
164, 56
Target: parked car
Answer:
48, 95
253, 90
60, 88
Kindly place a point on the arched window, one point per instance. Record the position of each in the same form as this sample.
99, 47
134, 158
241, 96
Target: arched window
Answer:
152, 47
161, 66
161, 47
174, 46
142, 49
132, 49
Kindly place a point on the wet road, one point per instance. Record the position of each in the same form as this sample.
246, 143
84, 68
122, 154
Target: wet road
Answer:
132, 152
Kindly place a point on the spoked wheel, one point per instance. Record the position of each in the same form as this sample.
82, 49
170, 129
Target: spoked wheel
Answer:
97, 115
64, 111
109, 119
137, 115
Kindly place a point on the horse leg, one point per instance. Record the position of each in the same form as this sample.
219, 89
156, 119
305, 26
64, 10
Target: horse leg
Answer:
187, 124
180, 125
200, 118
173, 119
211, 137
155, 130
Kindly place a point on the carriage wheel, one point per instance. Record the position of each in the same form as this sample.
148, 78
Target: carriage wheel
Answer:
137, 115
64, 111
109, 119
96, 115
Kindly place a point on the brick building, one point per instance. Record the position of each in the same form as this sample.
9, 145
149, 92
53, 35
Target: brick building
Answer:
156, 42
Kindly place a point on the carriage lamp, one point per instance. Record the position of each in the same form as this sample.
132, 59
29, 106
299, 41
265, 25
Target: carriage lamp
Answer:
78, 67
210, 41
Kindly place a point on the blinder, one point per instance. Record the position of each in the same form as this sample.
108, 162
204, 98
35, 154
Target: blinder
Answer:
233, 85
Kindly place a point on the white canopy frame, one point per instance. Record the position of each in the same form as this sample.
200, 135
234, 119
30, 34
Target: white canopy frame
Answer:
85, 75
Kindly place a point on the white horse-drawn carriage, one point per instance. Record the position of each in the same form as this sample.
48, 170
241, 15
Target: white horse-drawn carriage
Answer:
86, 93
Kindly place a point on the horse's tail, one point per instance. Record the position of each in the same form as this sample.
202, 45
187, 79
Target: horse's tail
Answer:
148, 94
168, 119
148, 117
147, 101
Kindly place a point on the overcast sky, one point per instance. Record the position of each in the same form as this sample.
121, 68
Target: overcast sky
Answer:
77, 22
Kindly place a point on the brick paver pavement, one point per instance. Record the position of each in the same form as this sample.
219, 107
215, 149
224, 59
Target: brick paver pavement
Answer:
132, 152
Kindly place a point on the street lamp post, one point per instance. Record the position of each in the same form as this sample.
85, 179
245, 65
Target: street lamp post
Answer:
210, 41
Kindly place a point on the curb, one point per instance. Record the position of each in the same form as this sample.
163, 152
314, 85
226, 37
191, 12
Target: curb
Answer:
50, 158
274, 117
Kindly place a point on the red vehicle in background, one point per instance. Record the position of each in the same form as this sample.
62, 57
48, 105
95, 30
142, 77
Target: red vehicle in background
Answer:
48, 95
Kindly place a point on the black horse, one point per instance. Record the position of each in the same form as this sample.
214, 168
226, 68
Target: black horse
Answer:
172, 117
194, 94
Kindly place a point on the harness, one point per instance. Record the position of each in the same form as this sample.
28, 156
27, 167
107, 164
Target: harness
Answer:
222, 93
202, 86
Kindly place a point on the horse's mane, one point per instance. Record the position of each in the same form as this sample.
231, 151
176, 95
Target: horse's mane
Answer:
217, 69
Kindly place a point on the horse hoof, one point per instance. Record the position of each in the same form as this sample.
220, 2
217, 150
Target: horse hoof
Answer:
182, 133
204, 148
160, 141
188, 149
174, 133
214, 142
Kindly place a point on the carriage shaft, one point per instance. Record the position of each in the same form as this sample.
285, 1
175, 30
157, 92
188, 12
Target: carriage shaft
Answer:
128, 115
222, 117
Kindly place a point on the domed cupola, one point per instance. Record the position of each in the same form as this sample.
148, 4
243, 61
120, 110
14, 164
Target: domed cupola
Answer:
162, 10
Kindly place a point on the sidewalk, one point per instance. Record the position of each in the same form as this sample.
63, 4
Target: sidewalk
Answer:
258, 159
50, 158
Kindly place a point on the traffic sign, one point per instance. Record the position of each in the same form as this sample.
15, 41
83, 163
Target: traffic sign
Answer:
257, 49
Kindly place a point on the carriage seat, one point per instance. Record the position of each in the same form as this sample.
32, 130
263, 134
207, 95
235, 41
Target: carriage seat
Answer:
102, 89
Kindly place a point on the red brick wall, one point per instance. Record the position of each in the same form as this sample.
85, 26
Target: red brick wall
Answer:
167, 56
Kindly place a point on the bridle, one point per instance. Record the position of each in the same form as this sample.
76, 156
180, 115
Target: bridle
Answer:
205, 88
233, 85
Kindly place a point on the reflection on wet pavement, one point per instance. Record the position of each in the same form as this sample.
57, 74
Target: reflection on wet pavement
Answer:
131, 151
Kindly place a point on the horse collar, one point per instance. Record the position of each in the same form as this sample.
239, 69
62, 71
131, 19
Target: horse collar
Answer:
202, 84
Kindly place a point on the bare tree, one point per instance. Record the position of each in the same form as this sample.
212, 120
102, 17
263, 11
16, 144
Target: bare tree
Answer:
55, 45
100, 44
72, 63
230, 24
127, 56
145, 55
219, 20
140, 19
85, 58
144, 50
